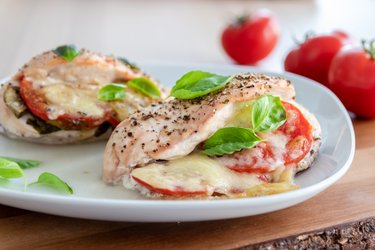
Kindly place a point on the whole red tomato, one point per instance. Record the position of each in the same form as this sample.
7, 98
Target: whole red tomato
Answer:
352, 79
251, 38
313, 57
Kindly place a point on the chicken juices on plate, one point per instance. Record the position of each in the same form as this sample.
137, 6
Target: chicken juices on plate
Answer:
221, 136
69, 95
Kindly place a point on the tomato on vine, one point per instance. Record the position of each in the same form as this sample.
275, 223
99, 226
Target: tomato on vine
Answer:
352, 79
312, 58
251, 38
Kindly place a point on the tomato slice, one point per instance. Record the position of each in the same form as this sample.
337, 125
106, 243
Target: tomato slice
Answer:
255, 160
38, 105
176, 191
299, 130
266, 156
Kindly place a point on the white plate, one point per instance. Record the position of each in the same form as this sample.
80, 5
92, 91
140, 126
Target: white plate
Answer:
80, 166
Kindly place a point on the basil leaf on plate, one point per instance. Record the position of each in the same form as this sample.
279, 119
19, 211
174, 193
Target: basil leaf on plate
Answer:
24, 164
52, 181
145, 86
198, 83
267, 114
111, 92
229, 140
68, 52
10, 169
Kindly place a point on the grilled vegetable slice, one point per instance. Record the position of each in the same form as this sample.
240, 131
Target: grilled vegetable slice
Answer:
14, 101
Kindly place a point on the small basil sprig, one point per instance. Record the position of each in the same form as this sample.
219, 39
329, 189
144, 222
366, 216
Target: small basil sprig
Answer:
111, 92
68, 52
52, 181
145, 86
198, 83
231, 139
267, 114
129, 64
10, 169
24, 164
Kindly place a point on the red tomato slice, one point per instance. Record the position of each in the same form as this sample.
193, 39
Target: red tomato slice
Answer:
263, 158
37, 104
257, 159
299, 130
177, 191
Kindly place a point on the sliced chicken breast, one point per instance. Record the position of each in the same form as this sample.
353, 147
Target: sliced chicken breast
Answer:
173, 129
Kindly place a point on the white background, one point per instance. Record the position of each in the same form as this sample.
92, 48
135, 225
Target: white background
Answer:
172, 31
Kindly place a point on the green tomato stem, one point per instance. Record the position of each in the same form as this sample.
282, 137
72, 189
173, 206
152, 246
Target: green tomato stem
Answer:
240, 20
308, 35
369, 48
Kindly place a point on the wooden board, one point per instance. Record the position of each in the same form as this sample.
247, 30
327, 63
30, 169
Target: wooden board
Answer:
350, 199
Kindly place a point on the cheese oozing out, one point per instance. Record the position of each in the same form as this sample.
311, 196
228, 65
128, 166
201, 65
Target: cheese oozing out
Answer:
195, 173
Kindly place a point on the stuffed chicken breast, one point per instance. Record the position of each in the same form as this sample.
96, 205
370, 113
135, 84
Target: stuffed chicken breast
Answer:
68, 95
241, 135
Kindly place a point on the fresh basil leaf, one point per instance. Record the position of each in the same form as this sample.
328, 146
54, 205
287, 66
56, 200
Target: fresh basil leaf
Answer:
112, 92
24, 164
10, 169
145, 86
267, 114
127, 63
229, 140
68, 52
198, 83
54, 182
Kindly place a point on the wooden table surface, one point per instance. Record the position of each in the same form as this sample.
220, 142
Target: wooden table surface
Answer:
351, 199
29, 27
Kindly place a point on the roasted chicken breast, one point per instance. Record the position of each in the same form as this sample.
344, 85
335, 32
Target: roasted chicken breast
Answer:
54, 97
157, 149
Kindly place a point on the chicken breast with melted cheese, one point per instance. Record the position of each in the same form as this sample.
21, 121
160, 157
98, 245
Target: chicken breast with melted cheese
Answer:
160, 149
54, 98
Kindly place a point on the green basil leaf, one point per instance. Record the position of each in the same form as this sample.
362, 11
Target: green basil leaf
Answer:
52, 181
127, 63
229, 140
68, 52
198, 83
10, 169
24, 164
111, 92
267, 114
145, 86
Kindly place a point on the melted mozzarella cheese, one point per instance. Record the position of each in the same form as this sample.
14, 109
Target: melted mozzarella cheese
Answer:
277, 141
64, 99
256, 156
195, 173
